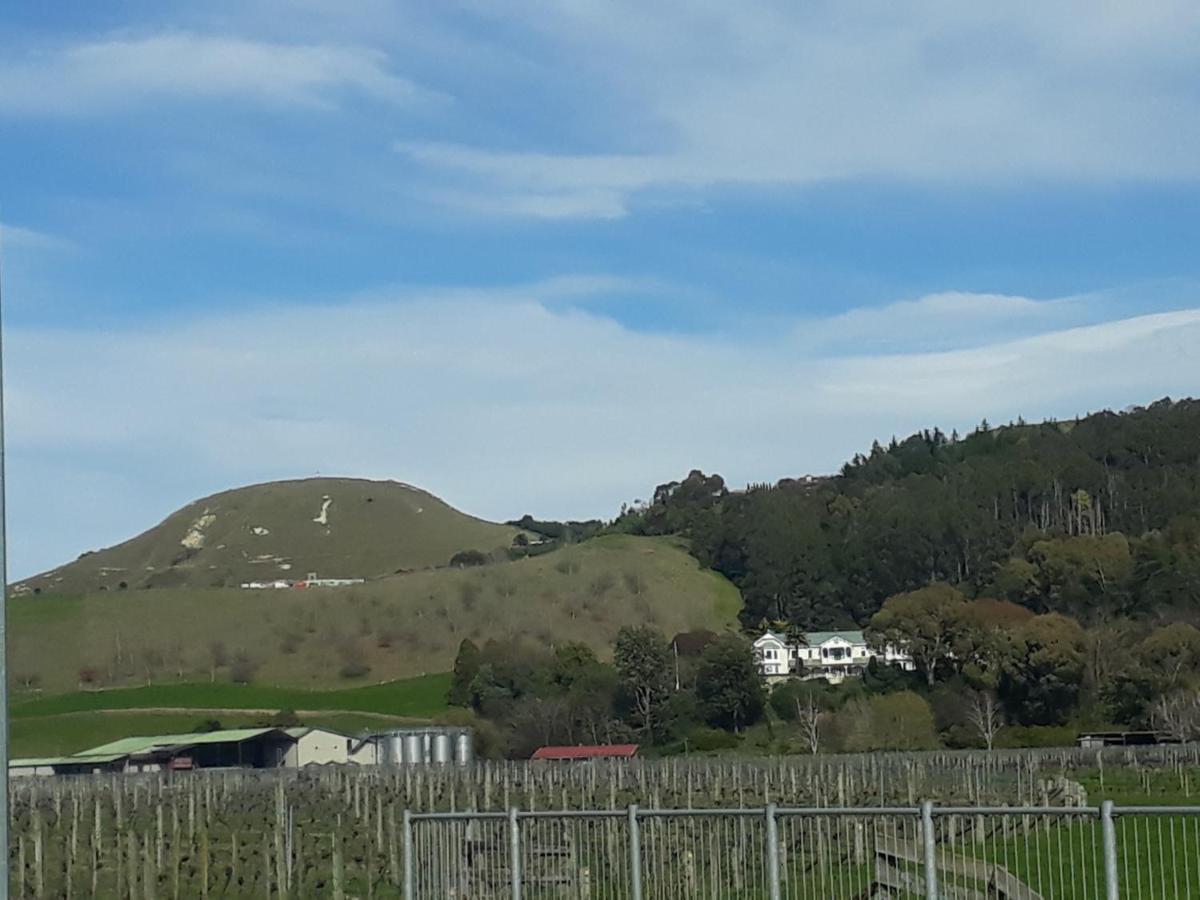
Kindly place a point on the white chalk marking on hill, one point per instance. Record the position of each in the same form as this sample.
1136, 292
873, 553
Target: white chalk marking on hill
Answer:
323, 518
194, 539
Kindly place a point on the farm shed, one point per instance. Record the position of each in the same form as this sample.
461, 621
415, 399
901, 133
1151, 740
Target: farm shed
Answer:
320, 746
258, 748
1121, 738
586, 752
91, 764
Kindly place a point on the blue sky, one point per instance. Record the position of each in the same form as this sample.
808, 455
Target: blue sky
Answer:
538, 258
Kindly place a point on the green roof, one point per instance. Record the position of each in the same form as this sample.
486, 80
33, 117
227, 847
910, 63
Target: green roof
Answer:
143, 744
90, 759
816, 638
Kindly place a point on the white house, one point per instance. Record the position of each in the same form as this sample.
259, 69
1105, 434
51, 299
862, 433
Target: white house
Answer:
832, 655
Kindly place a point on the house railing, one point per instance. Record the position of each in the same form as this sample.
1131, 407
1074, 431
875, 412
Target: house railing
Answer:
785, 853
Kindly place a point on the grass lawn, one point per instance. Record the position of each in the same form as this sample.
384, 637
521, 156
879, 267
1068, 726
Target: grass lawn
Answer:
420, 698
67, 723
71, 732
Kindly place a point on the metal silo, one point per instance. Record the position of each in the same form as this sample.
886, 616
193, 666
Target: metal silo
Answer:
443, 749
464, 748
414, 748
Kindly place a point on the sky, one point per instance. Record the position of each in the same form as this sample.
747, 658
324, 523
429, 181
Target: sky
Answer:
538, 258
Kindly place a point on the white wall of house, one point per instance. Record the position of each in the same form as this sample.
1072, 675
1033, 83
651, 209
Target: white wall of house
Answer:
316, 746
834, 656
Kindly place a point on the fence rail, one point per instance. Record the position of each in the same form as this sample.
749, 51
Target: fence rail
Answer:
924, 852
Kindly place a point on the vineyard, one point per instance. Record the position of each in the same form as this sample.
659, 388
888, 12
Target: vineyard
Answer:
336, 832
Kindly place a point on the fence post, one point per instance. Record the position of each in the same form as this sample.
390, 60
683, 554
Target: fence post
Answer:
408, 855
1112, 889
514, 852
930, 840
772, 854
635, 854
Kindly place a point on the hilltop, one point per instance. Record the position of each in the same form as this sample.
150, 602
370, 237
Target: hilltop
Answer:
336, 527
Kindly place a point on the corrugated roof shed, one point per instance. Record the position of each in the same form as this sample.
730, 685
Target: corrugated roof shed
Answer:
587, 751
145, 743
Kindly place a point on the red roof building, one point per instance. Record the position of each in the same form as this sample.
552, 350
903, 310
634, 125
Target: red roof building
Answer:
587, 751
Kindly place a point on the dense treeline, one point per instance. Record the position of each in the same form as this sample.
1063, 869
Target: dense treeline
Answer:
1052, 569
1094, 518
655, 692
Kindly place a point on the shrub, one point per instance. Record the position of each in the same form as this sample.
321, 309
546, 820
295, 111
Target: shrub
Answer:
702, 739
899, 721
464, 558
242, 669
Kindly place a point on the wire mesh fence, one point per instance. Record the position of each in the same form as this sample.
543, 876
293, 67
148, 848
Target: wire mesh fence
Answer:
769, 853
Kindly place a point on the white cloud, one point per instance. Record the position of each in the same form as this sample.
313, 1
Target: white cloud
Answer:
19, 238
95, 77
504, 404
764, 94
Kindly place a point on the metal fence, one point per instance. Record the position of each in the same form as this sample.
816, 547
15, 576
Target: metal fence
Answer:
781, 853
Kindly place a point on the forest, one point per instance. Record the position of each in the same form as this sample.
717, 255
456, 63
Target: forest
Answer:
1080, 540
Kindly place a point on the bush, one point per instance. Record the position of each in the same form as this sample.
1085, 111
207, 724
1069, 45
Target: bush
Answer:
464, 558
242, 669
899, 721
703, 739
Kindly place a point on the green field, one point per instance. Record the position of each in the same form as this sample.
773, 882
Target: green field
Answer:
391, 628
67, 723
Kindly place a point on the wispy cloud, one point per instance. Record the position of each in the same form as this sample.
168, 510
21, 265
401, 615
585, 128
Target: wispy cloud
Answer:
16, 237
439, 388
98, 76
718, 93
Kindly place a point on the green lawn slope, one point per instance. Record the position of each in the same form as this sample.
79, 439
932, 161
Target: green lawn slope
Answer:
390, 628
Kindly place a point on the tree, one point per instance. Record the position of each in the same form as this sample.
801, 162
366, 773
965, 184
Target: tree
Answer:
1044, 672
926, 623
1172, 653
243, 668
808, 717
900, 721
729, 685
464, 558
466, 667
985, 717
1178, 715
643, 662
219, 656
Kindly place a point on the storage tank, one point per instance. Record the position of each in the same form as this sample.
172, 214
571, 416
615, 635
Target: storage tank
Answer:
390, 749
443, 749
464, 748
414, 749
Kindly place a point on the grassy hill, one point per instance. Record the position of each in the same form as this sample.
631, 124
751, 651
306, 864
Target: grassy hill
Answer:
336, 527
390, 628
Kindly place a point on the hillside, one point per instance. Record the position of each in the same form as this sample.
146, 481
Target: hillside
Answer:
389, 628
1095, 517
336, 527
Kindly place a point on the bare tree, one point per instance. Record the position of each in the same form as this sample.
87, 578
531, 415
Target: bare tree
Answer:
808, 717
218, 656
1178, 715
986, 717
